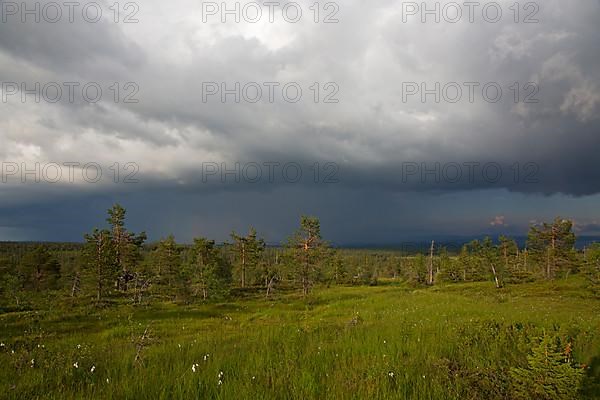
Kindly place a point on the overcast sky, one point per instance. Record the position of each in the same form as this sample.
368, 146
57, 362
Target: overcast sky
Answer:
381, 161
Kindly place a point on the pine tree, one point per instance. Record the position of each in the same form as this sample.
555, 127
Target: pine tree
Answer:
211, 273
40, 269
450, 270
99, 255
249, 249
553, 246
475, 268
126, 245
339, 272
416, 269
10, 288
168, 263
591, 267
514, 267
306, 248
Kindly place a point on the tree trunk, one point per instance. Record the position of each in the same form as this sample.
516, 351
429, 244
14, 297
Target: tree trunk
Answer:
305, 271
75, 287
270, 286
243, 265
495, 276
430, 268
548, 264
99, 269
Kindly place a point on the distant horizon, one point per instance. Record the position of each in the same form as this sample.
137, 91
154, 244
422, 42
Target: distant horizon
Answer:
386, 124
422, 244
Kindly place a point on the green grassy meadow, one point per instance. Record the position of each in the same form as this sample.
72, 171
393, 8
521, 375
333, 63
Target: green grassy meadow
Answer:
389, 341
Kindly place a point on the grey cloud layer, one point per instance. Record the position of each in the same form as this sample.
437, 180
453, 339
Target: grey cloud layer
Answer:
369, 133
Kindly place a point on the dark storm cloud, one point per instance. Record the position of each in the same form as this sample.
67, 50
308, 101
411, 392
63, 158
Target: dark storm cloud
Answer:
373, 135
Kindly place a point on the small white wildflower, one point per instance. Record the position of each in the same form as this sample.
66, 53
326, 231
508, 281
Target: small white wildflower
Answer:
179, 345
385, 342
194, 366
220, 374
93, 369
391, 374
106, 380
38, 346
206, 357
253, 378
1, 344
32, 362
76, 364
423, 376
220, 382
78, 346
12, 352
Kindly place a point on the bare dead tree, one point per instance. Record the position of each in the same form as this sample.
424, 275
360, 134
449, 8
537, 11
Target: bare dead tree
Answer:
495, 276
141, 343
76, 285
430, 266
270, 285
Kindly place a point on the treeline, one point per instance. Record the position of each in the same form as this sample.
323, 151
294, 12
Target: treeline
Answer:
117, 263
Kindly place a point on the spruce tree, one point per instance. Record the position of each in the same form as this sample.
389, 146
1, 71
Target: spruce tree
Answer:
550, 373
